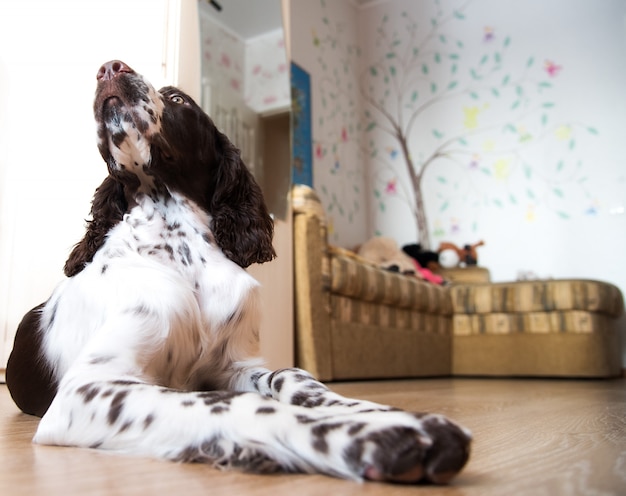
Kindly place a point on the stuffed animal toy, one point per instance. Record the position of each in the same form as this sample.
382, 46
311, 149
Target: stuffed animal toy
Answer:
466, 255
426, 258
385, 253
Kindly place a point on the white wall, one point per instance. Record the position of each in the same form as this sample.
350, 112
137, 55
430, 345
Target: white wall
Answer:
50, 52
324, 43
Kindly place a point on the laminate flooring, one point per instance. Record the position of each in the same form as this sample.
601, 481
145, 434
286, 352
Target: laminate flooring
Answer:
531, 437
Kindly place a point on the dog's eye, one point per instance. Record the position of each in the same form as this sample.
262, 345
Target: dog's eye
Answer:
177, 99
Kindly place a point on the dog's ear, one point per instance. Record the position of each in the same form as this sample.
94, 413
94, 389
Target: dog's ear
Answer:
241, 224
107, 209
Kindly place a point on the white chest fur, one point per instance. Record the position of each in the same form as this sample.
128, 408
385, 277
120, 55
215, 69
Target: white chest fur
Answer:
159, 270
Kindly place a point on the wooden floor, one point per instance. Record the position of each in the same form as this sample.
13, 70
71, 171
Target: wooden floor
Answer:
532, 437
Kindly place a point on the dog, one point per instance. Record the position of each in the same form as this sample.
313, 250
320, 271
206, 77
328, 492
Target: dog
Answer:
150, 345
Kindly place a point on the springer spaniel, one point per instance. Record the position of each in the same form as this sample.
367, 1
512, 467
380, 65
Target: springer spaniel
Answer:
149, 346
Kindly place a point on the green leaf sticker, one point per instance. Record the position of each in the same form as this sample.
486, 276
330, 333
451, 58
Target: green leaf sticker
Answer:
528, 172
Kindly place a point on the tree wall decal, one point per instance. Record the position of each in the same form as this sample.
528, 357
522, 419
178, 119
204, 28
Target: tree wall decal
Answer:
339, 176
416, 70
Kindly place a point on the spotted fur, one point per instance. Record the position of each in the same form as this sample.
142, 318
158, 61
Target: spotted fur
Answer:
149, 346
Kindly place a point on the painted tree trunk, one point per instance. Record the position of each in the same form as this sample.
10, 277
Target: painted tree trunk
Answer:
419, 211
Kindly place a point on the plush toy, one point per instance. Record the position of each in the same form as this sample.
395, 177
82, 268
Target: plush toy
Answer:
426, 258
385, 253
449, 258
466, 255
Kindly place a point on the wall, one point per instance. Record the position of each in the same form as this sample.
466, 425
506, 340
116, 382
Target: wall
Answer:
223, 56
267, 79
324, 43
255, 68
513, 114
522, 122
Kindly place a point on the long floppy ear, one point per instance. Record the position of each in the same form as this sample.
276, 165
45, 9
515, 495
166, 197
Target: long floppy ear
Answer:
107, 209
241, 224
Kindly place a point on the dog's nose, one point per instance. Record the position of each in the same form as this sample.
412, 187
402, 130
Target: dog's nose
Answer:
112, 69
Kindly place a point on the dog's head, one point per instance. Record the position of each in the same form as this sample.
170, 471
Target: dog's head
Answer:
162, 139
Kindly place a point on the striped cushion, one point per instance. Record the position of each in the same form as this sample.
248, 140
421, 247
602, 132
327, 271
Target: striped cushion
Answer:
574, 321
538, 296
350, 277
353, 311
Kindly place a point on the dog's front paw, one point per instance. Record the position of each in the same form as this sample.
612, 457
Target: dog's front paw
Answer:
432, 450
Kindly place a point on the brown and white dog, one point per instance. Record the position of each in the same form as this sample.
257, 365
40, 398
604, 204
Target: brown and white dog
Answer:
150, 345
